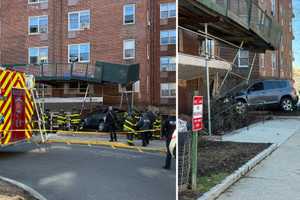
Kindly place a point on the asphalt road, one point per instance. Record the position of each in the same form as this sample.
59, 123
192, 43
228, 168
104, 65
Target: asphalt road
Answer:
73, 172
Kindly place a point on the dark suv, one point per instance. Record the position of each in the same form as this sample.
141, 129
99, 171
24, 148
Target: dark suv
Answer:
268, 92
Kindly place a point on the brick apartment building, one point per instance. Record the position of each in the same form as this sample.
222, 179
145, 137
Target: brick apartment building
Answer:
270, 63
276, 63
123, 32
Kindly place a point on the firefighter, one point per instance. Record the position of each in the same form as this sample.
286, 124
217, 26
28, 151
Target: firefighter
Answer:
167, 131
111, 124
157, 126
61, 119
75, 119
130, 126
144, 124
47, 118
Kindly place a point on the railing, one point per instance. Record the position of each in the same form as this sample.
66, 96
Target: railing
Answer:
248, 14
59, 71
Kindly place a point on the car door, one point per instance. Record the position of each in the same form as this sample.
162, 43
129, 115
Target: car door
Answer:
256, 94
273, 91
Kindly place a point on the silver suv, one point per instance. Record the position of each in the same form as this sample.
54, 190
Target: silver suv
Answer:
268, 92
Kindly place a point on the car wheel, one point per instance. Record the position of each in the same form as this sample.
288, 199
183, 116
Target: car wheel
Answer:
241, 107
286, 104
101, 126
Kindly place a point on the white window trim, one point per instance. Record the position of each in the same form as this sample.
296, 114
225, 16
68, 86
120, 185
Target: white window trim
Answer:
274, 58
38, 53
79, 13
129, 58
124, 8
169, 43
39, 16
161, 96
169, 57
168, 11
79, 61
239, 60
38, 2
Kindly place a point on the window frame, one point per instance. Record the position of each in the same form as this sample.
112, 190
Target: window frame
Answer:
169, 68
134, 13
38, 2
39, 16
78, 52
79, 14
169, 90
169, 38
168, 10
38, 63
124, 54
239, 59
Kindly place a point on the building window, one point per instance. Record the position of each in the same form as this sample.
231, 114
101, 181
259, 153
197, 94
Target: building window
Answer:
37, 1
273, 7
167, 10
129, 14
210, 48
243, 58
273, 60
262, 60
129, 49
168, 90
79, 20
167, 63
79, 52
38, 24
168, 37
38, 55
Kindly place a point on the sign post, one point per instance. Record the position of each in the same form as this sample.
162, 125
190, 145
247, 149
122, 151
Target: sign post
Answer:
197, 126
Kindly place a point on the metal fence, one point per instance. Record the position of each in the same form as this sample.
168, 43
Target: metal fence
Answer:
184, 159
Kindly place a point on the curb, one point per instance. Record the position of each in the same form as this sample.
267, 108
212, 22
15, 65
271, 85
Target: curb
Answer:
216, 191
24, 187
113, 145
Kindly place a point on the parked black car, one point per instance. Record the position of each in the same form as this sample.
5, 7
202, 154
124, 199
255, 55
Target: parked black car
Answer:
96, 120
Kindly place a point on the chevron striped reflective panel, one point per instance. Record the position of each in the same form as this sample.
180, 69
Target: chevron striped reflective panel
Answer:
16, 107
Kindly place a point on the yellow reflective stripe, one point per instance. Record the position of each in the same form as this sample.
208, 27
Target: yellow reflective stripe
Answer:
129, 122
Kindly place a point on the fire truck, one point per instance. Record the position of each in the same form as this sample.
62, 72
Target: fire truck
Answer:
16, 107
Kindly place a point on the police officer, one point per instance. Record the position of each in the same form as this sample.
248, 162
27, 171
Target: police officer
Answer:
167, 131
144, 124
110, 124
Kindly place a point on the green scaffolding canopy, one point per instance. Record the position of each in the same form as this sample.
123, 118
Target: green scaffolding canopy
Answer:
118, 73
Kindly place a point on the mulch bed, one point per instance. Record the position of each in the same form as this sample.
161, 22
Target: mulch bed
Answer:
222, 157
12, 192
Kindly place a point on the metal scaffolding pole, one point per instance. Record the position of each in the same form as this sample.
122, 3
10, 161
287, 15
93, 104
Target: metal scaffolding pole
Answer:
207, 81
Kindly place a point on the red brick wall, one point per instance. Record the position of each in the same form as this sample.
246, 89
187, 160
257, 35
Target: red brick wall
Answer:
105, 35
284, 55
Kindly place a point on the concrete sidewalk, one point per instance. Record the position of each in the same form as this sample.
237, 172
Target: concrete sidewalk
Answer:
272, 131
277, 177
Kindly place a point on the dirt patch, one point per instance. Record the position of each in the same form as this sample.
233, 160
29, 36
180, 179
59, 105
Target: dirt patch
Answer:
216, 160
11, 192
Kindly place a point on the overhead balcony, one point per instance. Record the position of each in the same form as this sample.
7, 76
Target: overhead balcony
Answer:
100, 73
232, 20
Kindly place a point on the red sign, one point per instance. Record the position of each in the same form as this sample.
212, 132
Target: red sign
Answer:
198, 113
